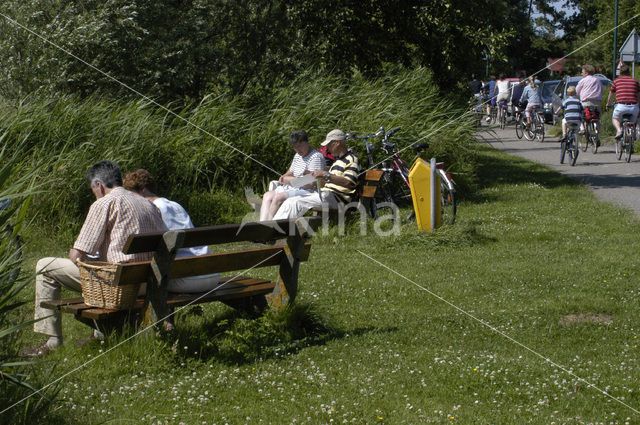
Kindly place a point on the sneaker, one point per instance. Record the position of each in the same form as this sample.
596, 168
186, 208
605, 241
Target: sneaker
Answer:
41, 350
487, 119
618, 136
581, 132
563, 138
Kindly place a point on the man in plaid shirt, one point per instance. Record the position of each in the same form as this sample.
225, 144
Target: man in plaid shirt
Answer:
116, 214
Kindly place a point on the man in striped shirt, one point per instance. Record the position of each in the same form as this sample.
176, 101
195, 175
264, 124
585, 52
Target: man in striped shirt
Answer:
116, 214
340, 181
627, 92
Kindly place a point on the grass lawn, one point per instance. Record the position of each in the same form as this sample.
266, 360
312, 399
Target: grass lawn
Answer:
533, 258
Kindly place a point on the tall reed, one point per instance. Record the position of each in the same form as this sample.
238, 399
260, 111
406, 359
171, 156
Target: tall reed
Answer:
229, 143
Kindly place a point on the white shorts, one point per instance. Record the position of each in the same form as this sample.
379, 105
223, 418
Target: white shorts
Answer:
622, 109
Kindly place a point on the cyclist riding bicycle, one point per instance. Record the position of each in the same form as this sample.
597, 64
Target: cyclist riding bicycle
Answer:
490, 87
502, 93
516, 94
589, 90
572, 111
532, 96
627, 91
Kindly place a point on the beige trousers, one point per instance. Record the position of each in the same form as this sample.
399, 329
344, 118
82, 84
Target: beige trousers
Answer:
51, 275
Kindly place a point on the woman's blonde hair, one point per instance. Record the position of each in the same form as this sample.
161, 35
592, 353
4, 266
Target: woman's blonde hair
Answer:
532, 82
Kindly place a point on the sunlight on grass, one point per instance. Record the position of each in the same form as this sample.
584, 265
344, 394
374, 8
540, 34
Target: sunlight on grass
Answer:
529, 250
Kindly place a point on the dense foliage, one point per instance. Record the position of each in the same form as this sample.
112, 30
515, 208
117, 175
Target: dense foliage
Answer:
17, 378
225, 145
593, 26
173, 50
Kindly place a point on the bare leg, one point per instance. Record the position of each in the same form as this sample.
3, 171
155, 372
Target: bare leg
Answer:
277, 200
266, 204
617, 125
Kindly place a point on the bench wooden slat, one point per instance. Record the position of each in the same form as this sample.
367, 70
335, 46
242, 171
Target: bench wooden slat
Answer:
236, 289
212, 263
370, 183
212, 235
58, 304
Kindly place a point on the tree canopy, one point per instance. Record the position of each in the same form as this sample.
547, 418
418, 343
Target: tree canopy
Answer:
177, 50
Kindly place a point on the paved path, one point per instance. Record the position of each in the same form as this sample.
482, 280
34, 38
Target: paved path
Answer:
611, 180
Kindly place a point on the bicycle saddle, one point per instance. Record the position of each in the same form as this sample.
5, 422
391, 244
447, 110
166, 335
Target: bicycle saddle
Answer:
418, 147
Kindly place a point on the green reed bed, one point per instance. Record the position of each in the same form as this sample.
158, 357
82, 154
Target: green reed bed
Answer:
216, 154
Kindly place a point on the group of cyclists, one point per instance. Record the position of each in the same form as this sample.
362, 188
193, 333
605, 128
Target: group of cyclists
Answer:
585, 100
498, 93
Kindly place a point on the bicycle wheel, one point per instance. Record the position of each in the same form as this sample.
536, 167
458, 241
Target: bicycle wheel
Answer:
519, 129
573, 150
595, 137
503, 119
628, 143
529, 132
448, 205
619, 149
563, 150
585, 140
384, 204
539, 129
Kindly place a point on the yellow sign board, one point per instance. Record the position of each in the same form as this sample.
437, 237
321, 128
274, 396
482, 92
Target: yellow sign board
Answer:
420, 182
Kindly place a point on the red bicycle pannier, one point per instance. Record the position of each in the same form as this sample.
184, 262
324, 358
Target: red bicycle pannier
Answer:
591, 114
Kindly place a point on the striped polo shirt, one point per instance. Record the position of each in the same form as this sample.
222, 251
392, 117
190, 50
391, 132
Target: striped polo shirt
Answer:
572, 109
626, 89
346, 166
110, 221
313, 161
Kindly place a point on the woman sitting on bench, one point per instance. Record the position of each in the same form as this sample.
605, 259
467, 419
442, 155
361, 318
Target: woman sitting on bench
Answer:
306, 160
174, 217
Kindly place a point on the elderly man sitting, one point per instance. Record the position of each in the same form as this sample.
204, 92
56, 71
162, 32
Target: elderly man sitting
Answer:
340, 181
116, 214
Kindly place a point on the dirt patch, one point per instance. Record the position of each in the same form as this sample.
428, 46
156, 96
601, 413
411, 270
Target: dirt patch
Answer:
573, 318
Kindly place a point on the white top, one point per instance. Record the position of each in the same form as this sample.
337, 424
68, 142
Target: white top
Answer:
503, 86
313, 161
175, 218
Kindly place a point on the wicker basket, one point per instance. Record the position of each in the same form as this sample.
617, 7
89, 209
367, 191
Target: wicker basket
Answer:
98, 289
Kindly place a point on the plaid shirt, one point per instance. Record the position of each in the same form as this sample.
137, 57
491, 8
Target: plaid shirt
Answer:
110, 221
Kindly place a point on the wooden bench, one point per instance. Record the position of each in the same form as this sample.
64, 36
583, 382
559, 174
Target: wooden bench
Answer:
241, 292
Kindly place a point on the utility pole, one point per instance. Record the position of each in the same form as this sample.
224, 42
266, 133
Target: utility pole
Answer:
615, 42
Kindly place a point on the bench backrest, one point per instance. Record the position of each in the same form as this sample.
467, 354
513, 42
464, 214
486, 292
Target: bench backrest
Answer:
369, 183
225, 233
137, 272
223, 262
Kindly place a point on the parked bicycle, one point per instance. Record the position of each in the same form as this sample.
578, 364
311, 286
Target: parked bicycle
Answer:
591, 133
570, 145
626, 143
394, 188
536, 129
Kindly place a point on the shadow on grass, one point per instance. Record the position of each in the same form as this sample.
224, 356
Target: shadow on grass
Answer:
496, 168
235, 337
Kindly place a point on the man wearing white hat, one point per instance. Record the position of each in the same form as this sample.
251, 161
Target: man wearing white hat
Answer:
340, 181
